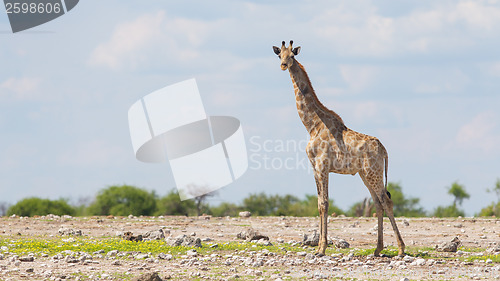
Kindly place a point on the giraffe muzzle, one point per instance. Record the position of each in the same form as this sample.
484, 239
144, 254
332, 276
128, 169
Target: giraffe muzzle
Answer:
284, 66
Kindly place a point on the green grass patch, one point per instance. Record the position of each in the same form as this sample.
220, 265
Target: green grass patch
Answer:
55, 245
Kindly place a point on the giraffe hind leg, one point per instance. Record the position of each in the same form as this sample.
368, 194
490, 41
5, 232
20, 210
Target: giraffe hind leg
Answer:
388, 207
380, 218
380, 213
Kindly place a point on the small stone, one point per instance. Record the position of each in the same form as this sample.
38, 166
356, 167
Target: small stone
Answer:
264, 242
311, 240
404, 279
251, 234
450, 246
130, 237
341, 243
141, 256
154, 235
70, 259
192, 253
148, 277
26, 259
494, 249
420, 262
164, 256
301, 254
245, 214
408, 259
112, 253
69, 231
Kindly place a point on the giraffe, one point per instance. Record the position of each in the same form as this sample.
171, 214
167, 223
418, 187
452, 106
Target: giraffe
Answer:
335, 148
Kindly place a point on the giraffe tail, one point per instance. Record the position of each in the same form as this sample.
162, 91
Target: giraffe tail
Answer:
386, 162
386, 168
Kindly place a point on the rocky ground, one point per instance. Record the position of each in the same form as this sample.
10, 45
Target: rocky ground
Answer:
284, 256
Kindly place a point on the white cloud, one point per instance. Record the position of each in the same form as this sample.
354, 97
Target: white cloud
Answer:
24, 88
481, 134
441, 25
152, 39
127, 41
359, 77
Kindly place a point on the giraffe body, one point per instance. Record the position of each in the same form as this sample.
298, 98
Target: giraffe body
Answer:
335, 148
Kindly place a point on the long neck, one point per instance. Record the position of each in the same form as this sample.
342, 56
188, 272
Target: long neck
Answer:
311, 111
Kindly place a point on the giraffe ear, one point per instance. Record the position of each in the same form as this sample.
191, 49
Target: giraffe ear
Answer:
296, 50
277, 50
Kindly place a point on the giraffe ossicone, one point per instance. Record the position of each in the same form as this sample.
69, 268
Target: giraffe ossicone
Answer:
333, 147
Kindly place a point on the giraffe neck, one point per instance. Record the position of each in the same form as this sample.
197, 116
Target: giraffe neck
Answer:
311, 111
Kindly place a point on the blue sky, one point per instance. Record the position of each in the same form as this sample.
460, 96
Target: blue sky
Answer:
422, 76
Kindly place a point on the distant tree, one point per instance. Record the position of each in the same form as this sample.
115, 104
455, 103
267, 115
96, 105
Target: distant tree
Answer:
81, 205
285, 205
362, 208
4, 206
225, 209
495, 189
458, 191
36, 206
448, 211
171, 204
402, 206
200, 201
124, 200
407, 207
494, 208
308, 207
259, 204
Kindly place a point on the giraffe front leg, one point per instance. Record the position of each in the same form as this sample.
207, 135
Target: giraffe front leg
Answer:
322, 185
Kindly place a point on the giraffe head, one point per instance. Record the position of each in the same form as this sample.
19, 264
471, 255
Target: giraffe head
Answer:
286, 54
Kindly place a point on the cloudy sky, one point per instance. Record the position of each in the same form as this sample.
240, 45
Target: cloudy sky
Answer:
422, 76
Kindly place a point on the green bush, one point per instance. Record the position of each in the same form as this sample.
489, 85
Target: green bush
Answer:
491, 210
123, 201
225, 209
34, 206
171, 204
287, 205
407, 207
448, 211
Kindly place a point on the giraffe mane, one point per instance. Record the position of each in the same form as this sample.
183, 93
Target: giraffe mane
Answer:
320, 104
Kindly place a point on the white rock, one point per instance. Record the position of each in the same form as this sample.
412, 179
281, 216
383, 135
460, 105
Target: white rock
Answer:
245, 214
420, 262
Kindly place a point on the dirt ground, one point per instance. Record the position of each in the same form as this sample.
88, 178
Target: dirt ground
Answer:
478, 238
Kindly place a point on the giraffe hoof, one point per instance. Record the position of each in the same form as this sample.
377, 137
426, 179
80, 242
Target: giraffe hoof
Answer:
319, 254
